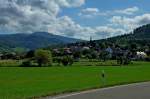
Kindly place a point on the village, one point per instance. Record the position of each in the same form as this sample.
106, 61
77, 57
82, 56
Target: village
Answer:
103, 51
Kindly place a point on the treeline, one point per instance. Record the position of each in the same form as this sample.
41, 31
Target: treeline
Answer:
43, 57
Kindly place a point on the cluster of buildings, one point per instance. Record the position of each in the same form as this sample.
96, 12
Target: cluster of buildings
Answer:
84, 49
112, 50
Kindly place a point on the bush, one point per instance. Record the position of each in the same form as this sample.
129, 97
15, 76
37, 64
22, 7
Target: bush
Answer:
70, 59
147, 59
57, 60
126, 61
123, 60
77, 55
67, 60
104, 55
29, 54
26, 64
94, 55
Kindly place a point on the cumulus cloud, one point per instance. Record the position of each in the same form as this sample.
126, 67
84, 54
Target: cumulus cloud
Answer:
31, 15
70, 3
42, 15
107, 31
128, 11
92, 12
89, 12
68, 27
132, 22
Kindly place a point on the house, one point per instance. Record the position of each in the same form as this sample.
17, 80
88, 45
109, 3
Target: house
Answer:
109, 50
56, 51
141, 55
67, 51
85, 48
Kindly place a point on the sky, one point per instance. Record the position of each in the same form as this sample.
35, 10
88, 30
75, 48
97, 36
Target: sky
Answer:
80, 19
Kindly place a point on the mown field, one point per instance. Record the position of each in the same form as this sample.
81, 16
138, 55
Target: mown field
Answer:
21, 83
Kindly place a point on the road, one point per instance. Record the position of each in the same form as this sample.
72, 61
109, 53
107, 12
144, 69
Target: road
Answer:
131, 91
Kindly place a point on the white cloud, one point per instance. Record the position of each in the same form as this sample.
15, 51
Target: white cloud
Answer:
70, 3
92, 12
109, 31
89, 12
42, 15
68, 27
31, 15
128, 11
131, 23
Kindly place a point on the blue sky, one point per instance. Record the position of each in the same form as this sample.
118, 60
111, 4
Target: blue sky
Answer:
74, 18
105, 5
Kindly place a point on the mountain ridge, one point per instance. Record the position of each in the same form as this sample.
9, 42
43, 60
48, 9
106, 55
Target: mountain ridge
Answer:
33, 40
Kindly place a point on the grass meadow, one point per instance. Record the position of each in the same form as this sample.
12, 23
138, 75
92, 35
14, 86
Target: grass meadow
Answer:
30, 82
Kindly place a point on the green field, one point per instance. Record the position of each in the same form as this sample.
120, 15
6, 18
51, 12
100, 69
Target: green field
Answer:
19, 82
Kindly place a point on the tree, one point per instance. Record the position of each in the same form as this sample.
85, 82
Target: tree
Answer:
104, 55
30, 54
67, 60
124, 58
43, 57
19, 52
26, 63
77, 55
133, 47
57, 60
92, 55
102, 45
86, 51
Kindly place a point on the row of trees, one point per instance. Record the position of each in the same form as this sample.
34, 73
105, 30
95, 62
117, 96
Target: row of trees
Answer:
44, 58
41, 57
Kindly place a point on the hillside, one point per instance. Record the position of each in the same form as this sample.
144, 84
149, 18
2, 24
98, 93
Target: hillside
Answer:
140, 36
32, 41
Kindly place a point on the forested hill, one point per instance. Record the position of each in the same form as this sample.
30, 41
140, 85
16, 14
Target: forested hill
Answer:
140, 36
32, 41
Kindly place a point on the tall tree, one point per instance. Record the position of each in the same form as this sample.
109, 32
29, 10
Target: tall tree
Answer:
43, 57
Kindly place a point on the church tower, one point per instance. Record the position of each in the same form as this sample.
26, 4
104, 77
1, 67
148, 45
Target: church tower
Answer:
90, 39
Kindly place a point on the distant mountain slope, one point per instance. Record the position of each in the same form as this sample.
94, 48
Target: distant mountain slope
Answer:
140, 35
32, 41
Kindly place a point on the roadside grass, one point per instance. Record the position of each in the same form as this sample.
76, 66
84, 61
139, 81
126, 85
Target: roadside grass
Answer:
10, 63
86, 62
82, 62
22, 83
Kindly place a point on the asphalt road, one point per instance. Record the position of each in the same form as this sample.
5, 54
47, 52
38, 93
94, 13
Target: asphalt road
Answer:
131, 91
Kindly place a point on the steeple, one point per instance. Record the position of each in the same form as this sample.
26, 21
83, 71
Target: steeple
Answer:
90, 38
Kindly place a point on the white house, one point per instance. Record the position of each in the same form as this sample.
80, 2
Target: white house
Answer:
141, 55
